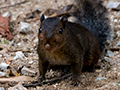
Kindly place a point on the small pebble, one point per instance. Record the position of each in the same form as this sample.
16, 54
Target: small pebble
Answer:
31, 62
4, 66
1, 88
2, 74
19, 55
6, 14
23, 27
98, 70
26, 71
100, 78
118, 43
110, 53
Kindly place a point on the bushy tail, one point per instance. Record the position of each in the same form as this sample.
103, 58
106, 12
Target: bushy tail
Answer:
94, 16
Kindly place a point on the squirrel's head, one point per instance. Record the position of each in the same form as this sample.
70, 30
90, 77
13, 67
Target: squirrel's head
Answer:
52, 33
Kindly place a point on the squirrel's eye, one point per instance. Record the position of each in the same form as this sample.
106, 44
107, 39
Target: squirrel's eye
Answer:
60, 31
40, 29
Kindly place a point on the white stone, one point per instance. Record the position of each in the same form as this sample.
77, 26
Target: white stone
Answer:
6, 14
31, 62
19, 55
110, 53
27, 72
100, 78
3, 66
118, 33
23, 27
114, 84
2, 74
118, 43
119, 74
113, 5
36, 40
1, 88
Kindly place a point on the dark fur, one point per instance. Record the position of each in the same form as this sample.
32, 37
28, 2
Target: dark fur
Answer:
94, 16
79, 47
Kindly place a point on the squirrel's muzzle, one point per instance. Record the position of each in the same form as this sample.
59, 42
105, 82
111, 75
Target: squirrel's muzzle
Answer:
47, 47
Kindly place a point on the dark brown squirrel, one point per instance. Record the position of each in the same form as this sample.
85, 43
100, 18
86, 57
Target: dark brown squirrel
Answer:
65, 43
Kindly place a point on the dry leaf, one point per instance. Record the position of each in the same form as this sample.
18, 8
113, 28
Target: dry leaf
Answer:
4, 28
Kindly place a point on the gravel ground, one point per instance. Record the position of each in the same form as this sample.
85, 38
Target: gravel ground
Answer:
105, 78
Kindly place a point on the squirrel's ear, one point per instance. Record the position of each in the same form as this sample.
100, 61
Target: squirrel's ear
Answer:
42, 18
64, 20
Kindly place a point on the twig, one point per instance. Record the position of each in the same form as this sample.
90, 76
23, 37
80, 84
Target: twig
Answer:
20, 50
115, 49
49, 81
14, 4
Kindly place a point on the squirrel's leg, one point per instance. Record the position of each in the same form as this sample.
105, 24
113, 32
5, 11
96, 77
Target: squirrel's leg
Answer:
76, 69
43, 66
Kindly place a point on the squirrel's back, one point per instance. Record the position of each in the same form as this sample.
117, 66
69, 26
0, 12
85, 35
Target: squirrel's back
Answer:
94, 16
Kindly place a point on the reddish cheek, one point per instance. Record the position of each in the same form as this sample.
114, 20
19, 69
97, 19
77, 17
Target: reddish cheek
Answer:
40, 39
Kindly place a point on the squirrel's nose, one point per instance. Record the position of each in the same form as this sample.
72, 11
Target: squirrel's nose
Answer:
47, 42
47, 47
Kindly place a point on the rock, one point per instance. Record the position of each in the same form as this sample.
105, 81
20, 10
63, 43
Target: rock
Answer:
18, 87
109, 86
119, 74
110, 53
100, 78
114, 84
27, 72
40, 88
6, 14
2, 74
1, 88
23, 27
31, 62
113, 5
83, 76
98, 70
7, 72
118, 43
3, 66
118, 84
114, 69
55, 85
36, 40
19, 55
118, 33
108, 59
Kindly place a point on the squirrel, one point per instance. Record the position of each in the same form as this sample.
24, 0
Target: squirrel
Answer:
79, 44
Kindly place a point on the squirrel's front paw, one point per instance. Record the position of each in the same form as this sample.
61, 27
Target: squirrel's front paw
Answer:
40, 79
75, 81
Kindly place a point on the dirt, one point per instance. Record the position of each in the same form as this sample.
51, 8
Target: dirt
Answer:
27, 43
